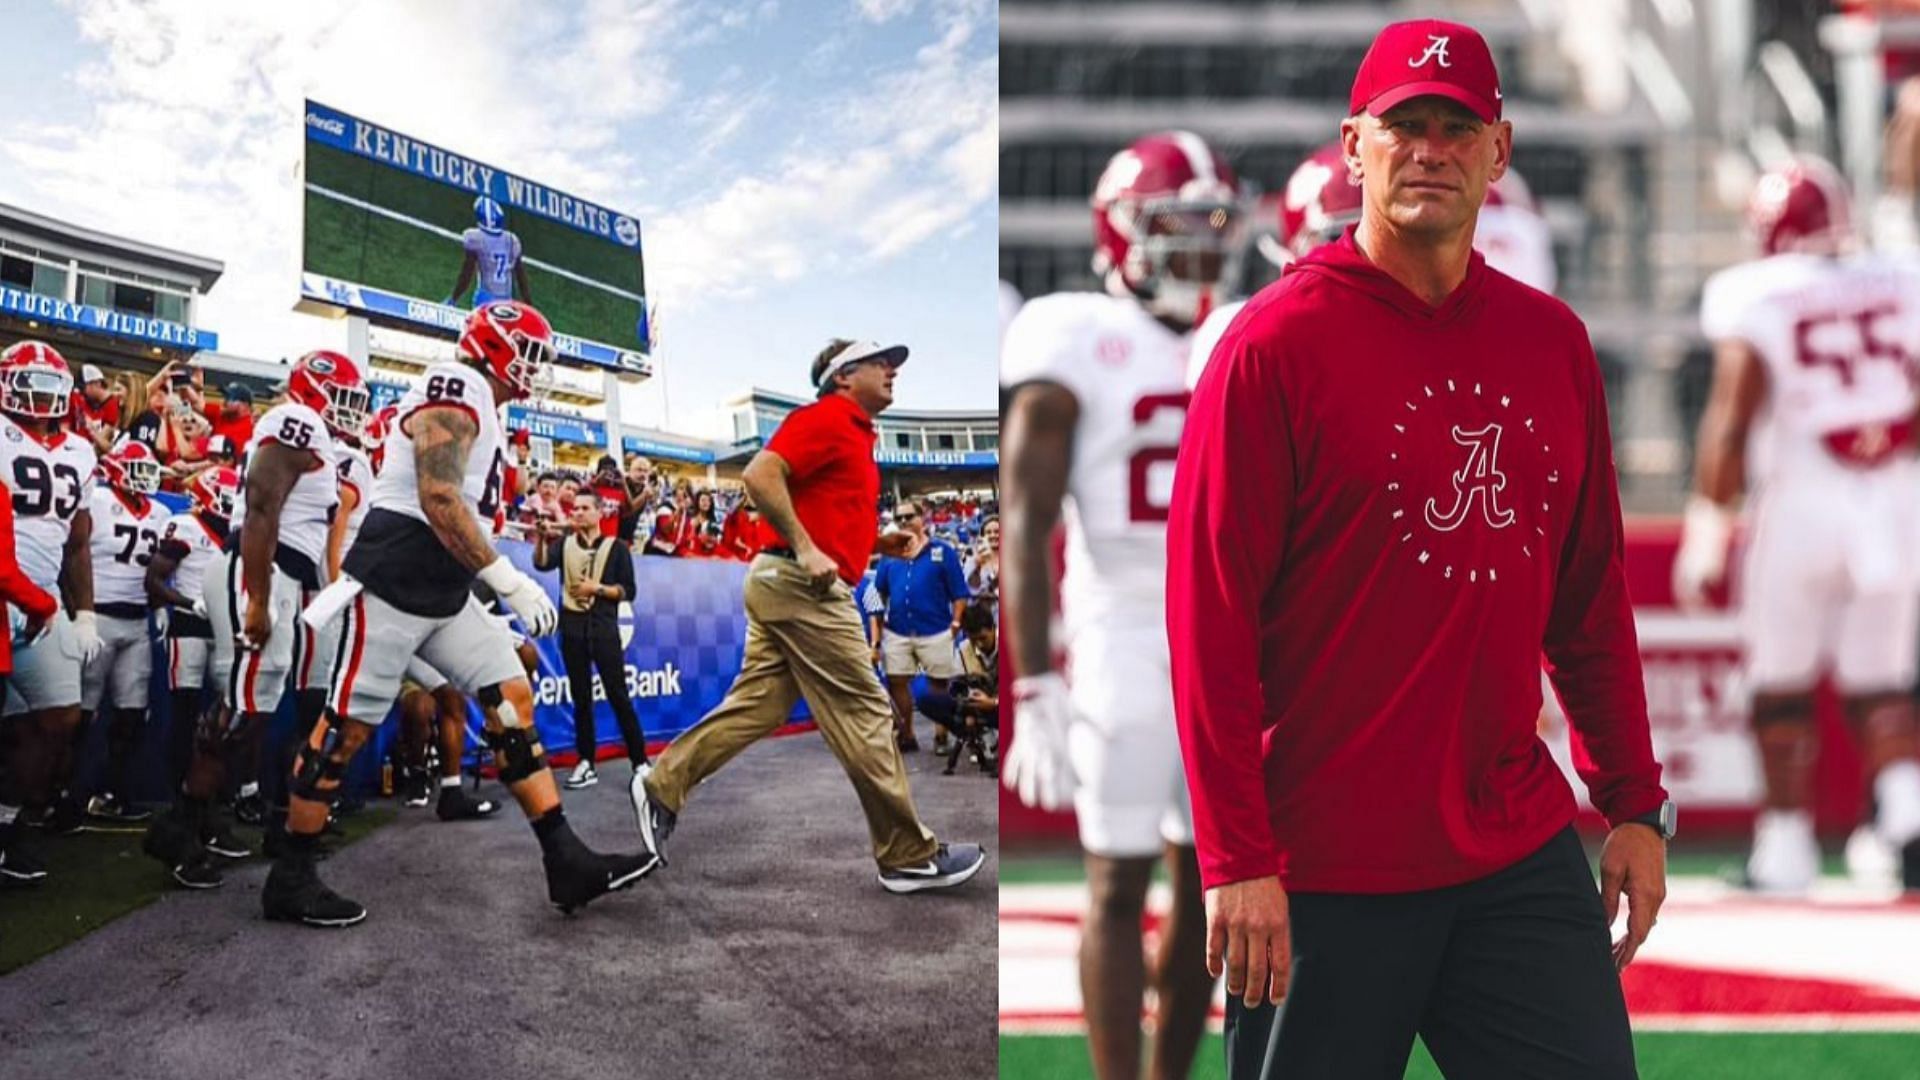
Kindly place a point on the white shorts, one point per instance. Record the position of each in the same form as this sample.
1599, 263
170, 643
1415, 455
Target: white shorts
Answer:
1132, 796
315, 651
124, 664
423, 675
189, 663
253, 680
46, 674
905, 656
378, 641
1828, 584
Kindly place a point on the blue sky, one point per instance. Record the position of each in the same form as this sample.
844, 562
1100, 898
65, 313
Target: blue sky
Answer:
801, 169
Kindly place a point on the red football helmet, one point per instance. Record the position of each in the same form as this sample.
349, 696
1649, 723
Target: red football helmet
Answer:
35, 381
330, 384
512, 341
214, 491
1321, 200
1801, 206
374, 440
131, 466
1167, 225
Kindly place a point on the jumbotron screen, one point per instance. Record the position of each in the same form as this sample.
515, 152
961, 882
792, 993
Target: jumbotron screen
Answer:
413, 235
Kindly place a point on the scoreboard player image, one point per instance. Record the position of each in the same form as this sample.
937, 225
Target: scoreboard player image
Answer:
492, 253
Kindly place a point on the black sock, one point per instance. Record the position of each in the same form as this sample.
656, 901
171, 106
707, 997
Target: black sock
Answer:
551, 827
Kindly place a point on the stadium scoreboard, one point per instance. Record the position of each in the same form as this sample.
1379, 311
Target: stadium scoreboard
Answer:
414, 236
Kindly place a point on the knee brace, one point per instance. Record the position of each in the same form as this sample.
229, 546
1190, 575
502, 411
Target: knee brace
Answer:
521, 754
317, 770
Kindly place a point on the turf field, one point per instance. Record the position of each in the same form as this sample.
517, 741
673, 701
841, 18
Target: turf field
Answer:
350, 243
1729, 985
96, 877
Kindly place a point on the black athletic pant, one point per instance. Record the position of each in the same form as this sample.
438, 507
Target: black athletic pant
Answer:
583, 649
1508, 976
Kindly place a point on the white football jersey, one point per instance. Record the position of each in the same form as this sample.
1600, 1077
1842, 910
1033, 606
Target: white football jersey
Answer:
497, 254
1207, 338
1841, 342
1128, 373
397, 488
124, 539
355, 473
307, 514
1518, 243
196, 545
51, 481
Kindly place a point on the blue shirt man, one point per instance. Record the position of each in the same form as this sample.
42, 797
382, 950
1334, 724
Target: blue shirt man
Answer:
925, 593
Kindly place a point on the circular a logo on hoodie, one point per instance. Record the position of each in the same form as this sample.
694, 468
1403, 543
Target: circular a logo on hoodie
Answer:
1457, 450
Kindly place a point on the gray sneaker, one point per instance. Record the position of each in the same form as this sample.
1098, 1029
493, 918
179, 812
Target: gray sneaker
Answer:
951, 865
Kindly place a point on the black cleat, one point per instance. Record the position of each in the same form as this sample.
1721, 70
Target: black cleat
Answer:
456, 805
171, 840
294, 893
63, 818
220, 840
951, 865
108, 809
417, 788
577, 875
18, 863
655, 820
250, 810
198, 873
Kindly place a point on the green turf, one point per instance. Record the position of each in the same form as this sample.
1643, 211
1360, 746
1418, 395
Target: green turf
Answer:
351, 244
1662, 1056
94, 878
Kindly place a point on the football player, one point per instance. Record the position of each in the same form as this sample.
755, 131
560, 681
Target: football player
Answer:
50, 471
289, 497
432, 709
493, 252
1096, 397
1812, 411
407, 593
127, 528
190, 543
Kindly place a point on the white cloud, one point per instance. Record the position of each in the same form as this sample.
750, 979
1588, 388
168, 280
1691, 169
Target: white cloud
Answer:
879, 11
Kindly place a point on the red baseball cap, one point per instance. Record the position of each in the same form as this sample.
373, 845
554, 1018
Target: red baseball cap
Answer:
1427, 56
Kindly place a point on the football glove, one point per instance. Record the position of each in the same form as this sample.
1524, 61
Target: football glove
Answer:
86, 635
1705, 534
1037, 767
522, 595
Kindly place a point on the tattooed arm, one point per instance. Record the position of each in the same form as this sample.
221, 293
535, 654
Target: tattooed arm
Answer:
442, 439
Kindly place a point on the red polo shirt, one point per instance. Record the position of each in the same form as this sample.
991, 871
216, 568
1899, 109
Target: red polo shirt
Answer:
828, 448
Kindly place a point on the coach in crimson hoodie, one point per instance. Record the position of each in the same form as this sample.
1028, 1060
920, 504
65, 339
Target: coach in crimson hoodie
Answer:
1395, 494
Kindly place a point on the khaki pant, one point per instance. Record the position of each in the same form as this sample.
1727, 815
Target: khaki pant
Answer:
805, 641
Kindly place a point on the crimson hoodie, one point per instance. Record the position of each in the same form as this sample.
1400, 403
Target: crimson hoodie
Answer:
1385, 513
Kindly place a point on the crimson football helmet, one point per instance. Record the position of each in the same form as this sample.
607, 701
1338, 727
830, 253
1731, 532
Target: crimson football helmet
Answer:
214, 491
1802, 206
35, 381
512, 341
1167, 225
131, 466
1322, 198
330, 384
374, 440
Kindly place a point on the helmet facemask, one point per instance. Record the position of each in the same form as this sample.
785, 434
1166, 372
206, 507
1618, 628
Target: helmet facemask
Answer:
1183, 253
38, 392
347, 409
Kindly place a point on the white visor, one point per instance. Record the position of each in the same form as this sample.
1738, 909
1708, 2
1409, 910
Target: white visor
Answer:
857, 353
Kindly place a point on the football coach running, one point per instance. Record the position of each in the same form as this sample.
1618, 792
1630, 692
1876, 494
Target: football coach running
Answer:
1395, 494
816, 483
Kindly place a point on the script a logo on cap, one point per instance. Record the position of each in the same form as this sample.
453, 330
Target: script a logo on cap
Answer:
1436, 50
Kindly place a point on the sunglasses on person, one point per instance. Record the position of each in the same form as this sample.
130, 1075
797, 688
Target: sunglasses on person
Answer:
905, 515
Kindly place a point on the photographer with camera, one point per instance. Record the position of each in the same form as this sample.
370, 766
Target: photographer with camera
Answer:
969, 708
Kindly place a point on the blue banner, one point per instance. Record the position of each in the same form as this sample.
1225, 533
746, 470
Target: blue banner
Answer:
415, 313
939, 459
654, 448
572, 429
368, 140
97, 320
